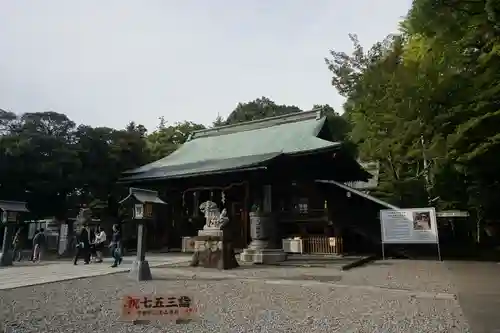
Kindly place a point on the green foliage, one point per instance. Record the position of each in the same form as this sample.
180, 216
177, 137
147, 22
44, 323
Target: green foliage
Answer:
219, 121
258, 109
166, 139
55, 166
425, 104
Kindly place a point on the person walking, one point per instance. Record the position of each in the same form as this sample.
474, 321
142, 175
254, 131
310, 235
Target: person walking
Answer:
100, 238
39, 245
17, 246
83, 246
33, 245
92, 251
115, 246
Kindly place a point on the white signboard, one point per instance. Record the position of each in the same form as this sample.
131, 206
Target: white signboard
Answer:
404, 226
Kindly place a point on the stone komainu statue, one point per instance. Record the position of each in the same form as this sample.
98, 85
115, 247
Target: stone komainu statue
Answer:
214, 218
213, 247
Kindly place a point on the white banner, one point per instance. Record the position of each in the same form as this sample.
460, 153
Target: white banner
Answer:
403, 226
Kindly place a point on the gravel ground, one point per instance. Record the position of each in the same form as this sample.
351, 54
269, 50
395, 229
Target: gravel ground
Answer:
423, 275
419, 275
226, 305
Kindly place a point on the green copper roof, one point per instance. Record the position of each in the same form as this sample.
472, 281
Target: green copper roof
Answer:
240, 146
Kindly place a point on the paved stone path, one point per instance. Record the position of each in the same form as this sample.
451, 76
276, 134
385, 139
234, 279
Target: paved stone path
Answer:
27, 274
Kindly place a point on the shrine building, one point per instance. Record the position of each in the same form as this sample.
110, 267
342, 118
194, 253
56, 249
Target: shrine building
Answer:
285, 166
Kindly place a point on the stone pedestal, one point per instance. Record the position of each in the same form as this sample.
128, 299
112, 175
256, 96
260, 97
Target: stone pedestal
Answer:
211, 250
262, 250
140, 270
215, 232
6, 256
263, 256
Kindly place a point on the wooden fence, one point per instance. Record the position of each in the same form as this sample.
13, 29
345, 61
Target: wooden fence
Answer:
323, 245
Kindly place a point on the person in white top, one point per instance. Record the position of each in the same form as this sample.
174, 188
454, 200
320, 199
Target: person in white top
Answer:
100, 238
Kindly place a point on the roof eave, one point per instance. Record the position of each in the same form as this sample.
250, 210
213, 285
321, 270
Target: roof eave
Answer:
13, 206
143, 196
129, 180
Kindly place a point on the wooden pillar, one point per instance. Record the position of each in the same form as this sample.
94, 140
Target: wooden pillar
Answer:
267, 202
196, 203
338, 239
245, 219
267, 208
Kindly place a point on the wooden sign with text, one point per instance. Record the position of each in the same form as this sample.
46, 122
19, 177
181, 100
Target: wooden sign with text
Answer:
150, 307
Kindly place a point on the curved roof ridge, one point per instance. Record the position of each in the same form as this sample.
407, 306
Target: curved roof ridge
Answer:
258, 124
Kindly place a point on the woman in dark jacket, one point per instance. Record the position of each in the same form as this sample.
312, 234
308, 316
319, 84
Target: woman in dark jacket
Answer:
33, 246
17, 245
115, 246
83, 246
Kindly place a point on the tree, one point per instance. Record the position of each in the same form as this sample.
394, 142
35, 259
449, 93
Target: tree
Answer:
219, 121
424, 103
43, 162
258, 109
166, 139
111, 152
470, 31
55, 166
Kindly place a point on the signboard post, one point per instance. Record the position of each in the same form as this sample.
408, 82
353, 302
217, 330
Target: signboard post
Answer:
409, 226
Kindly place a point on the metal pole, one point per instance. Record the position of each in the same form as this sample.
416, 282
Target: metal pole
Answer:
439, 251
382, 234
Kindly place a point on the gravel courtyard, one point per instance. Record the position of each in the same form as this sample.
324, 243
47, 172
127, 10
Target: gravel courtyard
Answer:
250, 299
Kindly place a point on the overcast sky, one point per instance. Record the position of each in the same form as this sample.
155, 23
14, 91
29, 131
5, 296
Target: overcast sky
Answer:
107, 62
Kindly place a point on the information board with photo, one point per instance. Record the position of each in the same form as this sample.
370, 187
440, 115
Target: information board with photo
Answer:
403, 226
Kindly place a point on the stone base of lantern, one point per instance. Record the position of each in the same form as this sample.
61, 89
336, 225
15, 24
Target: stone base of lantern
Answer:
140, 271
6, 259
213, 251
261, 249
263, 256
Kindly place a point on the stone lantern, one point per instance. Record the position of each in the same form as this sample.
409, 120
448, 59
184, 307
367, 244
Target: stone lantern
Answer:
141, 202
263, 248
10, 218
